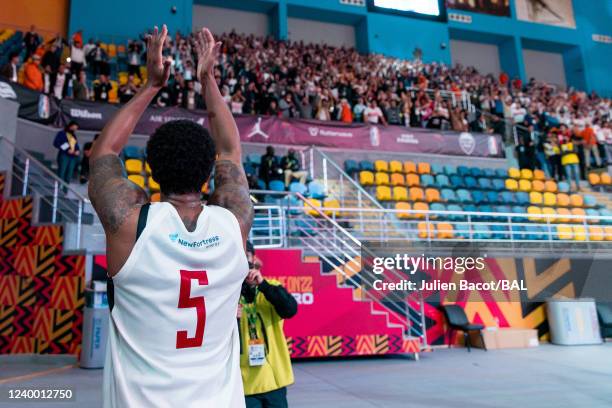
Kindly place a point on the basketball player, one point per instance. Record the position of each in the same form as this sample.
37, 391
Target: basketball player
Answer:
176, 266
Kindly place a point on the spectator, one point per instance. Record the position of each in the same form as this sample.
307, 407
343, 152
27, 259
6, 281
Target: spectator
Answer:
269, 168
59, 81
264, 359
134, 50
344, 112
33, 75
571, 162
190, 98
80, 90
392, 113
10, 70
291, 168
101, 89
553, 155
373, 115
77, 59
323, 110
85, 160
31, 41
127, 90
68, 151
99, 60
305, 108
87, 50
358, 109
589, 140
287, 107
51, 59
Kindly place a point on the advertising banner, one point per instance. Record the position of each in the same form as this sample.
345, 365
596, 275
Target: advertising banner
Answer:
34, 105
554, 12
494, 7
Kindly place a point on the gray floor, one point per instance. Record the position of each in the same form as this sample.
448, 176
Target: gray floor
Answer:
548, 376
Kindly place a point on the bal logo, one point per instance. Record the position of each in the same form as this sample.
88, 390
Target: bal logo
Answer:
467, 142
173, 237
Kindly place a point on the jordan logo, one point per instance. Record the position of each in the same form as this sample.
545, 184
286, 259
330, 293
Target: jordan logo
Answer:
257, 130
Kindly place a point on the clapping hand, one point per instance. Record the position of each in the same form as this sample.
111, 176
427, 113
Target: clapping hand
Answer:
158, 69
208, 53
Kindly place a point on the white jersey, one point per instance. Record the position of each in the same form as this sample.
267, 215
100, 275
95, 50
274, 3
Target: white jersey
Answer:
173, 336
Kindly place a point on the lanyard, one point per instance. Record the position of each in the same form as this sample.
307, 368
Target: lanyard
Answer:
251, 312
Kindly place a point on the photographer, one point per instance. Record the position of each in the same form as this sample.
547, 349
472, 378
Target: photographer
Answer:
264, 356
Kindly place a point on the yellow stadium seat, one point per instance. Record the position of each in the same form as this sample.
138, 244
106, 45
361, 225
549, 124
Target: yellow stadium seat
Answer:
426, 230
533, 210
605, 179
137, 179
112, 50
445, 230
526, 174
143, 71
551, 213
579, 233
331, 204
382, 179
381, 165
538, 185
579, 212
412, 180
400, 194
123, 77
576, 200
113, 94
594, 179
417, 194
539, 175
419, 206
562, 214
133, 166
121, 49
550, 199
397, 179
410, 167
155, 197
424, 168
550, 186
524, 185
514, 173
596, 233
536, 198
104, 46
383, 193
432, 195
147, 168
608, 232
511, 184
153, 185
402, 206
563, 200
396, 166
564, 232
311, 211
366, 178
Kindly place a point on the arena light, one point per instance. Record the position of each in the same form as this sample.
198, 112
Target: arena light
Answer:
428, 9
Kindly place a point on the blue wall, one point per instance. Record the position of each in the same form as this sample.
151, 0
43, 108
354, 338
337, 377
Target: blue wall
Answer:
587, 63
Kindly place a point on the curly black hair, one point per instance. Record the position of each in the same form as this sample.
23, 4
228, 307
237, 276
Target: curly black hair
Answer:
181, 154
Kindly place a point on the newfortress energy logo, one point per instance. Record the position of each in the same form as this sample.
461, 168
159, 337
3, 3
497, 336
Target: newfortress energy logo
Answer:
206, 243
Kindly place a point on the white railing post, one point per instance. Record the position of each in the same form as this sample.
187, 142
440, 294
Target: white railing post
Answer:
26, 176
79, 223
325, 185
55, 194
312, 176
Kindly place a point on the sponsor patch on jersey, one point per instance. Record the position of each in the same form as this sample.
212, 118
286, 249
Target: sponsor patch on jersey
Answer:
209, 242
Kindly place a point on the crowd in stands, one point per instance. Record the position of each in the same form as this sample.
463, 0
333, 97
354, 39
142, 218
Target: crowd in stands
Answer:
562, 132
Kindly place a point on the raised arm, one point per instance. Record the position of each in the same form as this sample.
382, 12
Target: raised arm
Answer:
231, 186
115, 198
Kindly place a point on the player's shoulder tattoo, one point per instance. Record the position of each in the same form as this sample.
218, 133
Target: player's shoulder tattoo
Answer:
232, 192
113, 196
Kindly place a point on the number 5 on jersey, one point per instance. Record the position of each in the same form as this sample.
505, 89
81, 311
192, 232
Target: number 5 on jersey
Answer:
187, 302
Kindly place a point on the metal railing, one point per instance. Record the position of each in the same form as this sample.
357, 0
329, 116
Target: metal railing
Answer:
31, 177
268, 230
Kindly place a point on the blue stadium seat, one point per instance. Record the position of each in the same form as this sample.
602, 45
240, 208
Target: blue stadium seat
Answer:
479, 197
295, 203
470, 182
518, 232
296, 187
448, 195
503, 209
589, 201
498, 184
461, 230
438, 207
450, 170
501, 173
563, 187
519, 209
481, 231
522, 198
484, 209
351, 167
604, 212
476, 172
254, 158
427, 180
437, 169
508, 197
261, 185
492, 197
270, 199
455, 217
133, 152
366, 165
463, 171
276, 185
442, 180
535, 232
488, 172
591, 212
456, 181
500, 232
464, 196
485, 183
470, 208
249, 168
304, 227
316, 190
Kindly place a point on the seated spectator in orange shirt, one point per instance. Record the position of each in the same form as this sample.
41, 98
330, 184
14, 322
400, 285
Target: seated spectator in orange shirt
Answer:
346, 114
33, 76
590, 146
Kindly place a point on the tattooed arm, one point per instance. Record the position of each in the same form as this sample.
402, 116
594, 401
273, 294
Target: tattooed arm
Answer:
117, 200
231, 186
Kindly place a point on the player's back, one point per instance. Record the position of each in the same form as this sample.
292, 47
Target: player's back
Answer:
173, 338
